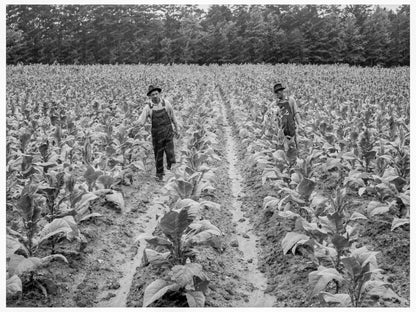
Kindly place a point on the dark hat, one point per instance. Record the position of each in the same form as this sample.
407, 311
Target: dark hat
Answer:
152, 88
277, 87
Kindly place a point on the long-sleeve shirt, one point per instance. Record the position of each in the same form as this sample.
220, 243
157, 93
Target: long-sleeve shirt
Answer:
293, 106
147, 113
271, 115
292, 103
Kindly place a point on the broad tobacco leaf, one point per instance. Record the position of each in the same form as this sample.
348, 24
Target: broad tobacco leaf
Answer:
19, 264
312, 227
399, 222
187, 202
13, 285
154, 257
270, 202
293, 239
272, 175
204, 225
340, 242
14, 245
280, 156
375, 208
357, 216
106, 181
203, 237
352, 265
337, 220
291, 154
306, 187
293, 195
173, 223
66, 225
325, 252
332, 163
195, 299
405, 197
156, 290
364, 256
287, 214
117, 200
89, 216
398, 182
382, 290
57, 226
184, 188
159, 241
296, 178
47, 165
193, 207
348, 156
26, 206
327, 225
362, 190
355, 178
91, 175
184, 274
210, 204
201, 284
204, 186
317, 200
389, 173
320, 279
343, 299
82, 202
138, 165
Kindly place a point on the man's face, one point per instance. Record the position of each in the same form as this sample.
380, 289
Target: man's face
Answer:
279, 94
154, 97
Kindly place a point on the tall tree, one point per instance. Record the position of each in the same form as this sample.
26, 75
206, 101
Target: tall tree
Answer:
376, 37
87, 34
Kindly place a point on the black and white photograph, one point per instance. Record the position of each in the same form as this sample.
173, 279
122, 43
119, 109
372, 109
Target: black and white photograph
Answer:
207, 155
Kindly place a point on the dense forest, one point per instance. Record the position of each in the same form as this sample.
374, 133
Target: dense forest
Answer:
363, 35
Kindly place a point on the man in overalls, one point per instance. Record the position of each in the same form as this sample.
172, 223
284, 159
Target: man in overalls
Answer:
161, 114
288, 113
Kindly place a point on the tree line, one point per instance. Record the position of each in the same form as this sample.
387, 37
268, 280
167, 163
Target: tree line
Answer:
363, 35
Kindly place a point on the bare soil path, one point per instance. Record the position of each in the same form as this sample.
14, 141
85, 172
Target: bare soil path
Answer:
128, 269
247, 240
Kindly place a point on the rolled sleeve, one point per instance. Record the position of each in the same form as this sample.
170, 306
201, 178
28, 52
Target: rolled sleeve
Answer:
143, 116
296, 113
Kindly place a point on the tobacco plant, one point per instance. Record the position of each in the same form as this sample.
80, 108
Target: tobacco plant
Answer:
360, 278
23, 270
188, 279
182, 234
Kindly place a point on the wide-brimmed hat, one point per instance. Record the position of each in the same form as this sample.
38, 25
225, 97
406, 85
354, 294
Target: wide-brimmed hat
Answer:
277, 87
152, 88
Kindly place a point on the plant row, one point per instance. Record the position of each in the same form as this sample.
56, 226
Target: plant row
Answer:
70, 148
346, 152
183, 230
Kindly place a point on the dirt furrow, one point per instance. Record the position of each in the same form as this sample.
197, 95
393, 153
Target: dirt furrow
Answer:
247, 240
128, 269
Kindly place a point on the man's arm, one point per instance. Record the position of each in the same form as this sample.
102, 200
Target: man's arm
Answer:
143, 116
295, 109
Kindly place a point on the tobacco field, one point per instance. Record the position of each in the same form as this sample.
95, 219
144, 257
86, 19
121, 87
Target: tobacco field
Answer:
244, 219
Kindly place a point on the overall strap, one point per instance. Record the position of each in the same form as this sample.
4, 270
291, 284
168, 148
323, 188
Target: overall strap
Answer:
151, 104
151, 107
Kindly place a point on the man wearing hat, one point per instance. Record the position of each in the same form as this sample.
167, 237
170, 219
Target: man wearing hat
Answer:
288, 112
160, 112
